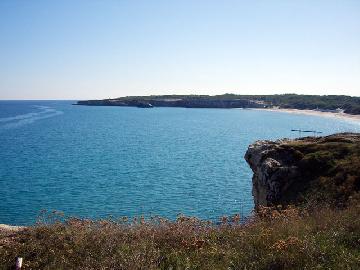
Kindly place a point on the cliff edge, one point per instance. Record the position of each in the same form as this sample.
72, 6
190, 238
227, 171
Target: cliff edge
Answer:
322, 169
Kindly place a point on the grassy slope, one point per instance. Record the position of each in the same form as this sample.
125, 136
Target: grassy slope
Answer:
330, 168
288, 239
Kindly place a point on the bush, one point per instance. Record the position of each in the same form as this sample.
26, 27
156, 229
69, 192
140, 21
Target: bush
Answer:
274, 238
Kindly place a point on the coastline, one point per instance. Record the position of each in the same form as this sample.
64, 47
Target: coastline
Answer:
338, 115
11, 228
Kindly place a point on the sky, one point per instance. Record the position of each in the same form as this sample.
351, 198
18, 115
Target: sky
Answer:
73, 49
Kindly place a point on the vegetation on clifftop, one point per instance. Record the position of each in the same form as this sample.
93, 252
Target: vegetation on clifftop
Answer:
349, 104
330, 168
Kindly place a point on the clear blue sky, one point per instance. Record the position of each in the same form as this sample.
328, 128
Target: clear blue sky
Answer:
99, 49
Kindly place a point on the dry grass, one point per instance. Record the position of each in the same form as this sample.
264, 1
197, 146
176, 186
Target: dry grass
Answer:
272, 239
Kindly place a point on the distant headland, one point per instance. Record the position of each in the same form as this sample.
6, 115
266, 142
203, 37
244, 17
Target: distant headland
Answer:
330, 103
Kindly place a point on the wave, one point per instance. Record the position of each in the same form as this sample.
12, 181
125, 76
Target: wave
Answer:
28, 118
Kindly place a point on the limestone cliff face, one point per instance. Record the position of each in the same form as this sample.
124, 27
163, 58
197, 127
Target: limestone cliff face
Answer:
274, 170
284, 170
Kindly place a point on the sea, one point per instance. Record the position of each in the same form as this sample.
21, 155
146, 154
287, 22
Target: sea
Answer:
114, 162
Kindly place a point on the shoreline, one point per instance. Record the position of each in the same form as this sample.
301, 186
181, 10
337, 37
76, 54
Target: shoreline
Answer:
11, 228
337, 115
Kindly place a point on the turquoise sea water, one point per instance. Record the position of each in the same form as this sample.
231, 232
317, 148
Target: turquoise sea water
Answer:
122, 161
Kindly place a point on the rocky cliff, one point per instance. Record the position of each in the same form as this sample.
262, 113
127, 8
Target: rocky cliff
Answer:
323, 169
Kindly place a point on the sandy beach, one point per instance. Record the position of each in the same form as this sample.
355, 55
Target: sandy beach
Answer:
339, 115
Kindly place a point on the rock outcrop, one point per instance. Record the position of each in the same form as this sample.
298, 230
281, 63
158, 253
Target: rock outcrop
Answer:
286, 170
274, 170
